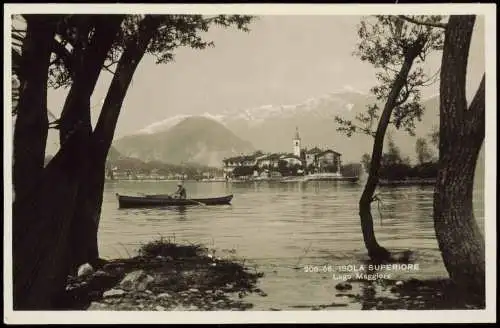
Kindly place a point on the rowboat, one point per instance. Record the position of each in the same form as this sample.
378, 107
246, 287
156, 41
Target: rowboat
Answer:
165, 200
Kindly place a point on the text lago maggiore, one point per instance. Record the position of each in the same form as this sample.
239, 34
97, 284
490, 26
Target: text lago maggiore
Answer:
362, 271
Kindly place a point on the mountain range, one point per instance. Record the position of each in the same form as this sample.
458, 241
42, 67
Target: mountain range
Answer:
208, 138
269, 128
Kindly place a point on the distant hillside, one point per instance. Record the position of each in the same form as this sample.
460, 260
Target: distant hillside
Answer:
114, 155
197, 140
134, 166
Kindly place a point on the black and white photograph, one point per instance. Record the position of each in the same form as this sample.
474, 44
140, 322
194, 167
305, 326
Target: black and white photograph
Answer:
178, 163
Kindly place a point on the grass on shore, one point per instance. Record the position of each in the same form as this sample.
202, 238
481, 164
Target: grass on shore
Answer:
176, 268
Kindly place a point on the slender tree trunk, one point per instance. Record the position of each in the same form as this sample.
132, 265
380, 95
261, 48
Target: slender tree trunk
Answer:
102, 138
461, 137
375, 251
31, 127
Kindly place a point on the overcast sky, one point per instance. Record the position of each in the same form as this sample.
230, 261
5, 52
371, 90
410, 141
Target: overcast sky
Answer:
282, 60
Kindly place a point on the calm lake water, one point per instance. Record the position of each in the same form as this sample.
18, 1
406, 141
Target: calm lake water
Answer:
278, 226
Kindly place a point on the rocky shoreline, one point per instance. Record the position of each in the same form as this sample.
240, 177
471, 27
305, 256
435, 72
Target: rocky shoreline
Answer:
164, 276
411, 294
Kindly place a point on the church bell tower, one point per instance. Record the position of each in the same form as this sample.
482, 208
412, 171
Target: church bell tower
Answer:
296, 143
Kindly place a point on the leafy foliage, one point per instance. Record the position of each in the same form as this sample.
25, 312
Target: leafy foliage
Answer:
434, 135
393, 154
15, 92
365, 160
386, 42
405, 171
395, 167
425, 170
286, 169
424, 153
243, 171
351, 170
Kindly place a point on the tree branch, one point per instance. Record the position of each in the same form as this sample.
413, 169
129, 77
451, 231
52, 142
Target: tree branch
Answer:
395, 71
16, 61
415, 21
405, 96
54, 61
365, 130
128, 62
18, 38
107, 68
65, 55
431, 80
54, 125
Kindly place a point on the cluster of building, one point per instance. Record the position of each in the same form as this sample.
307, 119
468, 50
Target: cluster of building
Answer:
117, 174
301, 160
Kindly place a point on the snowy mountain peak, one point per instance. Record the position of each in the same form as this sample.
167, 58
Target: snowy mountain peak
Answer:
174, 120
324, 106
163, 124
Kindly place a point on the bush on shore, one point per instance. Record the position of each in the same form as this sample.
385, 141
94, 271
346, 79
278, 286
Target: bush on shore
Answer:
403, 171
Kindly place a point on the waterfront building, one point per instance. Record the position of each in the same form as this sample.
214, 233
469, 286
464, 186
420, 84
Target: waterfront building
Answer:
314, 160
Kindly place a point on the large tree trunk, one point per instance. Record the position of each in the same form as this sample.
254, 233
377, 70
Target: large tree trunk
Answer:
30, 136
102, 138
41, 225
31, 127
77, 111
461, 137
375, 251
45, 228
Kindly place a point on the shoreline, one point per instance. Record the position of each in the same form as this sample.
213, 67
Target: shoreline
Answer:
171, 277
281, 179
408, 182
302, 179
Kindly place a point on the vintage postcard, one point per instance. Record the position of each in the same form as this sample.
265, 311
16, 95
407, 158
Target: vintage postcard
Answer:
249, 163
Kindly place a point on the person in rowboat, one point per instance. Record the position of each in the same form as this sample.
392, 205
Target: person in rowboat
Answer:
180, 193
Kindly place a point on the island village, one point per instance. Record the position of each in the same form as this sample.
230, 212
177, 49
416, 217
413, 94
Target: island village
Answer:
313, 163
301, 164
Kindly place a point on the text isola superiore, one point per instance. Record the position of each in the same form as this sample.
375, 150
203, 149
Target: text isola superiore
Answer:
370, 271
377, 267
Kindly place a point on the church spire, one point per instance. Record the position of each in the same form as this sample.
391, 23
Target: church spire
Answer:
296, 143
297, 137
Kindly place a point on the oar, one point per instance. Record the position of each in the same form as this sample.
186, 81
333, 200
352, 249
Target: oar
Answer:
199, 203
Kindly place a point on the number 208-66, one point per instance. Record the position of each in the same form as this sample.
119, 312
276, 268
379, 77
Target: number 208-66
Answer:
314, 268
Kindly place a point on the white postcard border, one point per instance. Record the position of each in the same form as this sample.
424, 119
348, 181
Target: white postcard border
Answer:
335, 316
